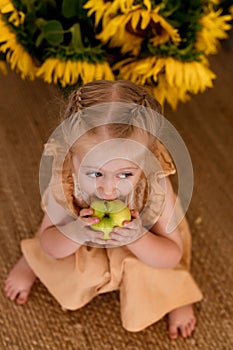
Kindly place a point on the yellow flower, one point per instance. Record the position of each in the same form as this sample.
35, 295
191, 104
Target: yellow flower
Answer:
128, 42
150, 72
214, 27
16, 55
3, 67
172, 79
107, 9
139, 19
124, 24
53, 70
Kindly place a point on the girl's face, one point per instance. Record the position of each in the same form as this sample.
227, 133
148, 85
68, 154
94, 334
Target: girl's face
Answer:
115, 179
110, 169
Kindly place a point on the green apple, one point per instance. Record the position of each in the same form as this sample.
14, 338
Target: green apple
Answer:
111, 213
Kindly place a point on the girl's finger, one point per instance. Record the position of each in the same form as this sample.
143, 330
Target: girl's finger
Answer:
129, 225
121, 231
86, 212
90, 220
132, 225
134, 213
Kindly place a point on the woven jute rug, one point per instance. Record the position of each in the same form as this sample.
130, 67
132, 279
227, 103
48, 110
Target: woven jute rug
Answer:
29, 111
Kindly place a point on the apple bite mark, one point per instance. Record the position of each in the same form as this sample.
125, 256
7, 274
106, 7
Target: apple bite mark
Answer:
111, 214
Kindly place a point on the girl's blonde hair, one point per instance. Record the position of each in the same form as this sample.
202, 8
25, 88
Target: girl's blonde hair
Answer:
103, 91
127, 109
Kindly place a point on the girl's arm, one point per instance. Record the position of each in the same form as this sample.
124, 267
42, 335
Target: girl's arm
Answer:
62, 235
157, 248
54, 242
55, 221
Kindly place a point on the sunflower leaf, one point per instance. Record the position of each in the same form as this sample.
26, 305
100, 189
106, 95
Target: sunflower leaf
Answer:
53, 32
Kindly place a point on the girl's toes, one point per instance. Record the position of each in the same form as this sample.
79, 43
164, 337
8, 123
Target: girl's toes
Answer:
189, 329
22, 297
11, 293
173, 331
192, 325
183, 331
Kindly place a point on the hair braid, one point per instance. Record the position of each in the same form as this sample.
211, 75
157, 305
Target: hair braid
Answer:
102, 91
106, 91
75, 103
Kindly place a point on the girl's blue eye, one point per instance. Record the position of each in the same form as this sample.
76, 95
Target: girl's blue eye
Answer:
94, 174
125, 175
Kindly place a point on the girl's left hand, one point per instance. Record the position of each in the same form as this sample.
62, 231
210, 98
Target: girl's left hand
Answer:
129, 232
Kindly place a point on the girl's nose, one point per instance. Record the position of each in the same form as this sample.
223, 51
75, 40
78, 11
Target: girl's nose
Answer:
107, 189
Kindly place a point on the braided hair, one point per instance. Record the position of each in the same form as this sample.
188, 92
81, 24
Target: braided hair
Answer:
140, 106
102, 91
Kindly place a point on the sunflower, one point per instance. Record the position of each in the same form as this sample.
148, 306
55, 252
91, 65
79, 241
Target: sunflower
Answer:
104, 10
172, 78
16, 55
68, 72
136, 22
128, 28
119, 36
214, 27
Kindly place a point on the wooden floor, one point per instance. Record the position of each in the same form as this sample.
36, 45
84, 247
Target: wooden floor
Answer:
28, 113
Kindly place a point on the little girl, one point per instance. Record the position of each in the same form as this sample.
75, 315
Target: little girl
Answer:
107, 150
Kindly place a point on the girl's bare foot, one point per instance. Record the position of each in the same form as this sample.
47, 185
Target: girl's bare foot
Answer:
19, 282
181, 320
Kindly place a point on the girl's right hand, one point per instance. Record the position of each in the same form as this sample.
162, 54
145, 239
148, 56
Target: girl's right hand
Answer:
86, 233
86, 216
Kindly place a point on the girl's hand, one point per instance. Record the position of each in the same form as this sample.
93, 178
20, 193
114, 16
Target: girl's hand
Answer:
85, 231
129, 232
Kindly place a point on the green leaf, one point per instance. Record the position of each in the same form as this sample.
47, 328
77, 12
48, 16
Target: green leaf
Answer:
39, 40
53, 32
71, 8
76, 41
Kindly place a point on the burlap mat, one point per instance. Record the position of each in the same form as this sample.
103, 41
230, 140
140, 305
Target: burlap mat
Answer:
29, 112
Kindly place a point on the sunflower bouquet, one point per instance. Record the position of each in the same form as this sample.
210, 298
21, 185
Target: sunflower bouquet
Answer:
162, 45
